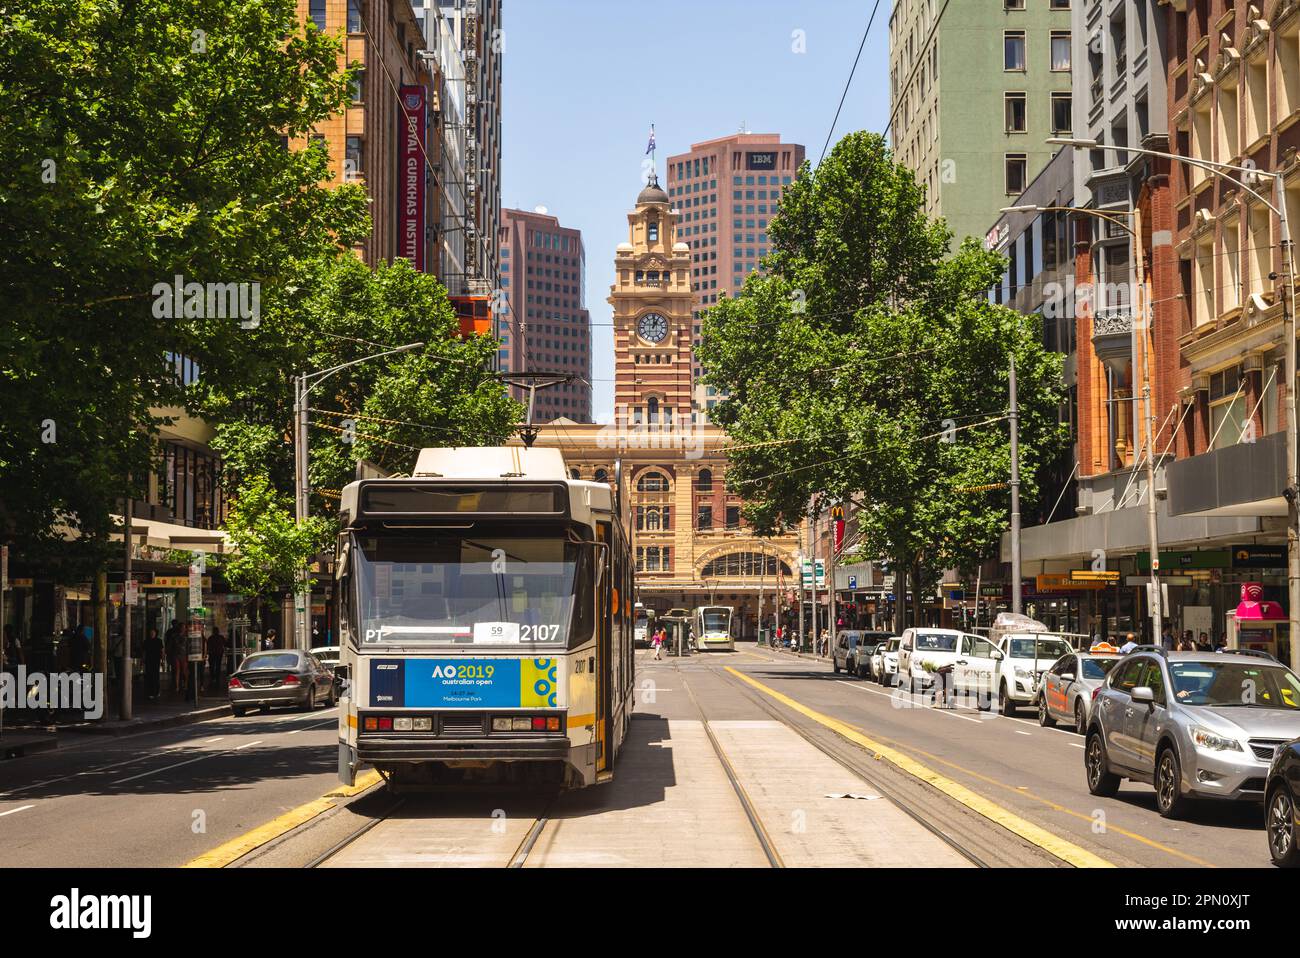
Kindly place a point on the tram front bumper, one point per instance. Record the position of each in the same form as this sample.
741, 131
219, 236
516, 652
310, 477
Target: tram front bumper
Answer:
380, 750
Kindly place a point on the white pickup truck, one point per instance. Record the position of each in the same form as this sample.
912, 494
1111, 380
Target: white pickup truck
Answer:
1028, 650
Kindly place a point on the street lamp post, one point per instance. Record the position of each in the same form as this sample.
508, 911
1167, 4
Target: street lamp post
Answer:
1221, 170
303, 384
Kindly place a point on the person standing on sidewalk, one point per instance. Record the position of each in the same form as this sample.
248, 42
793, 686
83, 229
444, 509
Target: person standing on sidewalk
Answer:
658, 641
216, 652
153, 655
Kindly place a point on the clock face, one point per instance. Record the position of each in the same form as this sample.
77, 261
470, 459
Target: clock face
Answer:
652, 328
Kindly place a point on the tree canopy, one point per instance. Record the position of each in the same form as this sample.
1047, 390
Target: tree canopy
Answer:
869, 364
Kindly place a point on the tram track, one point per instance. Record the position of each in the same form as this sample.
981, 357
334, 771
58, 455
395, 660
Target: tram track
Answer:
859, 768
751, 813
518, 858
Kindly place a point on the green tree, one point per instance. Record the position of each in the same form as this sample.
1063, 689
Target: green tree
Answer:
869, 365
382, 410
143, 140
269, 546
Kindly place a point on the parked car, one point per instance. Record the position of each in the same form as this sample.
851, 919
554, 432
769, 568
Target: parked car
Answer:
1068, 688
1193, 724
867, 646
845, 654
281, 677
1025, 657
327, 655
884, 661
922, 646
1280, 806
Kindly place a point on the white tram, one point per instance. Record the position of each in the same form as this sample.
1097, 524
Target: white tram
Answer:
486, 622
713, 628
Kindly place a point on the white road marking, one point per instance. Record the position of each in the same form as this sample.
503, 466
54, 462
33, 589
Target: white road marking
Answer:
123, 781
240, 748
217, 739
308, 728
1018, 732
20, 808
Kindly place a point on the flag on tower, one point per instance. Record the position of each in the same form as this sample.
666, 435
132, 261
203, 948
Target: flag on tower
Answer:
650, 147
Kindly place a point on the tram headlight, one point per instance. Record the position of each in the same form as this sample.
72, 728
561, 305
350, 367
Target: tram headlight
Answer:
521, 724
424, 724
403, 724
501, 724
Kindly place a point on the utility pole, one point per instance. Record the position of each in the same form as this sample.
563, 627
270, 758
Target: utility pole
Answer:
1292, 450
812, 549
1146, 338
124, 710
301, 595
1015, 491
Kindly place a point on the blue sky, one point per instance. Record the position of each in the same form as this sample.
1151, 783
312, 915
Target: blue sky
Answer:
597, 73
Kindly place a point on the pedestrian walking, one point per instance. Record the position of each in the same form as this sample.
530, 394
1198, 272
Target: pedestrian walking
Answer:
216, 652
153, 656
658, 642
1130, 643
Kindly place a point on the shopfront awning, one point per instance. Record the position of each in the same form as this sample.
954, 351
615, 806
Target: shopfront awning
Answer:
1244, 479
169, 535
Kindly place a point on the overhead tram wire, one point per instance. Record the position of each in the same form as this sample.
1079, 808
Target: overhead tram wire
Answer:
848, 83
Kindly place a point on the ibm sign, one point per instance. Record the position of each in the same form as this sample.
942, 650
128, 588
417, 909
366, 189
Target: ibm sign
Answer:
760, 161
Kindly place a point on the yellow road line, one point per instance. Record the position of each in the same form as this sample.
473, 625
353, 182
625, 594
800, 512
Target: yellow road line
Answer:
237, 848
365, 780
1149, 842
1067, 851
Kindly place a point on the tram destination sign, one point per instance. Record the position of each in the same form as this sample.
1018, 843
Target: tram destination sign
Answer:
411, 499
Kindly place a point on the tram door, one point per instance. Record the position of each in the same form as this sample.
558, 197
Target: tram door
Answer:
604, 736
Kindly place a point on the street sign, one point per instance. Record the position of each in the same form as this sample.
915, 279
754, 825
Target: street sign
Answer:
806, 570
132, 590
853, 582
196, 587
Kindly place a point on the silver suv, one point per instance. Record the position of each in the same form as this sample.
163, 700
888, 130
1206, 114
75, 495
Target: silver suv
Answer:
1193, 724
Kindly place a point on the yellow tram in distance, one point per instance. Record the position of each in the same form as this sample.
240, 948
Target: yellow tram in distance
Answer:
712, 628
486, 622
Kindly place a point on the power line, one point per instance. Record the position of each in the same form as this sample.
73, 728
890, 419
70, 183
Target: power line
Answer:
849, 82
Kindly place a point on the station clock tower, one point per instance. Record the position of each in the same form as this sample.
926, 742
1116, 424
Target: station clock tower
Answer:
652, 301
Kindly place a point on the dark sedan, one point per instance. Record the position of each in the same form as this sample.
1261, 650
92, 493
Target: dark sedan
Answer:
1281, 812
281, 677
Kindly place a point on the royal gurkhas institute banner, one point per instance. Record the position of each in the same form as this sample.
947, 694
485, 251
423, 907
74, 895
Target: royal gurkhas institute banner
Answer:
410, 176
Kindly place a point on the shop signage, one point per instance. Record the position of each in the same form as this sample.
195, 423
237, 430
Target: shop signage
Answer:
20, 583
175, 582
1094, 575
1061, 582
1170, 561
760, 161
411, 176
1144, 580
1259, 557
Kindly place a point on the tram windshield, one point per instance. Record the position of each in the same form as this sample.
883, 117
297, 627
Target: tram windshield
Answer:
716, 620
466, 588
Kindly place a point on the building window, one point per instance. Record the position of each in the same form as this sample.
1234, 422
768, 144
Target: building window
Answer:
1013, 4
1227, 407
1062, 113
353, 162
1014, 113
652, 231
733, 517
354, 16
1013, 50
1017, 173
1060, 51
652, 482
704, 482
704, 518
318, 14
359, 85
